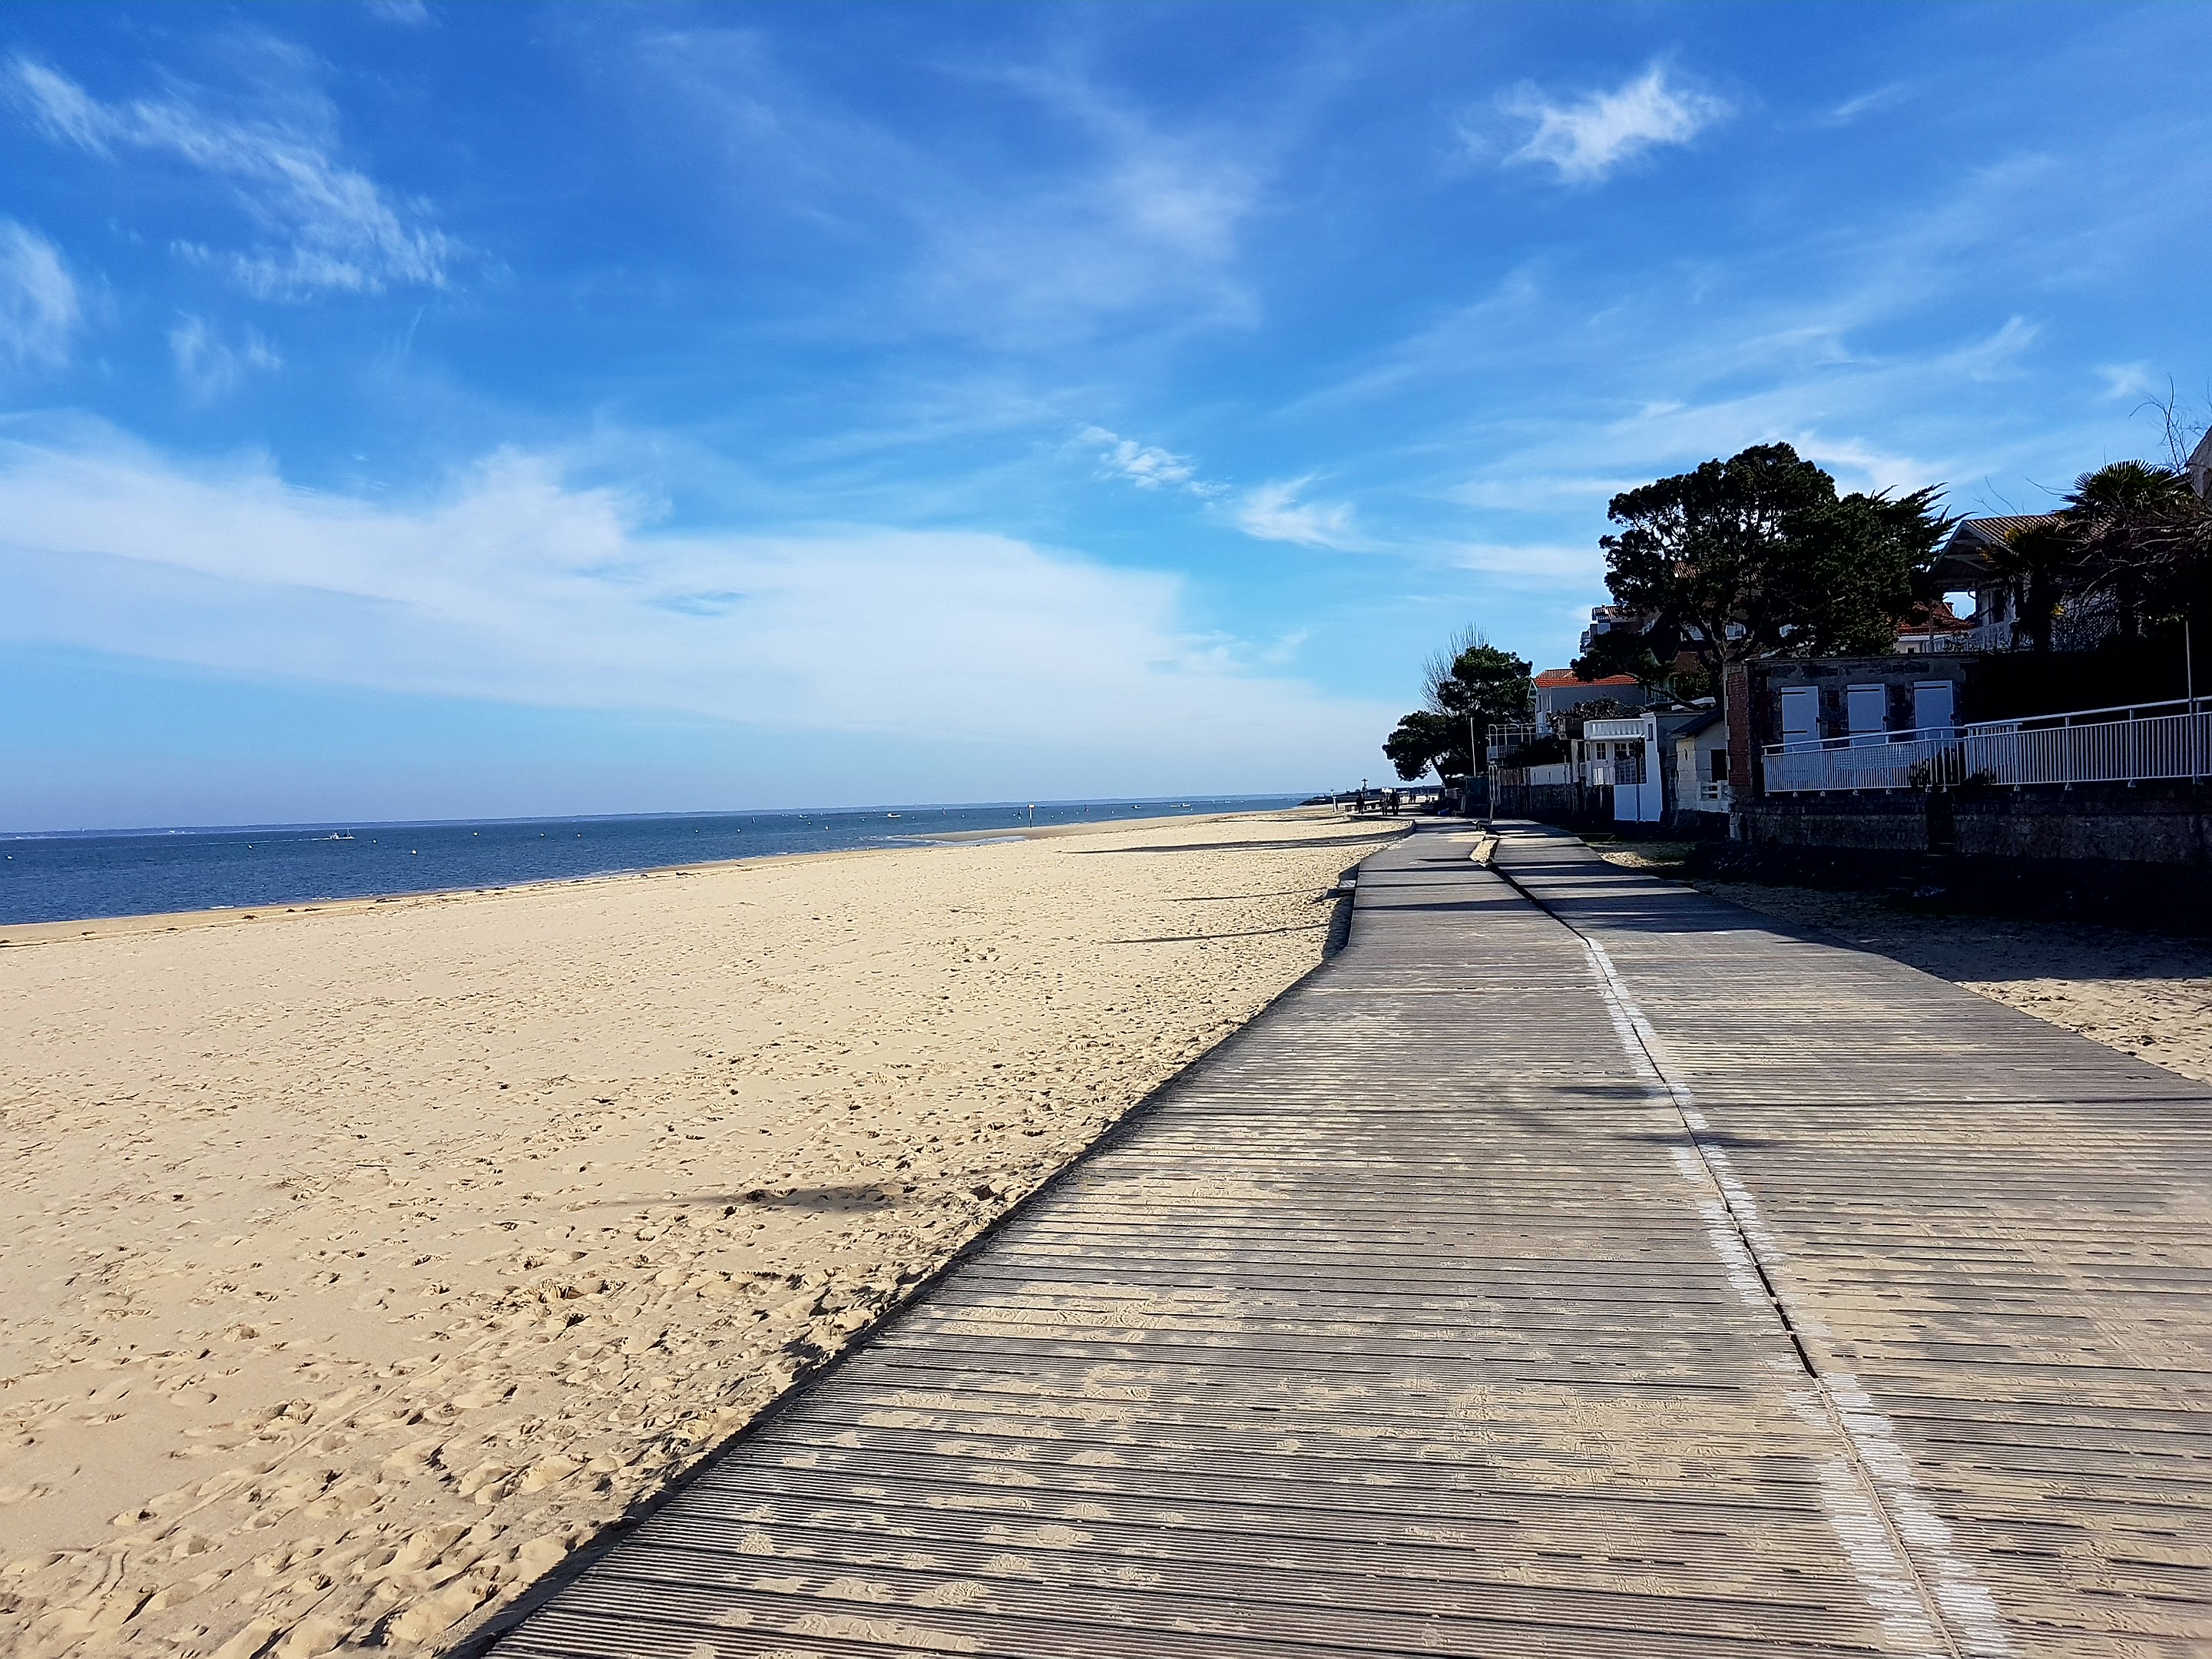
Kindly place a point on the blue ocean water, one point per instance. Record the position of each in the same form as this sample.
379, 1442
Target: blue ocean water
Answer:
62, 878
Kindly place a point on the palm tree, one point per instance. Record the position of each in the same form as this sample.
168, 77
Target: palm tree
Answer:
2040, 558
2131, 542
2141, 536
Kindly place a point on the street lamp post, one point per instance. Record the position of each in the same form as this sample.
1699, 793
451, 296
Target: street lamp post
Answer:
1467, 802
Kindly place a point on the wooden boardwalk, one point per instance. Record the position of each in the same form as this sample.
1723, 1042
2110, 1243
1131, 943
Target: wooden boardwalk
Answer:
1574, 1264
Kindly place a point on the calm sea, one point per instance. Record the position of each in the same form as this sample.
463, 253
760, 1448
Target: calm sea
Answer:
59, 878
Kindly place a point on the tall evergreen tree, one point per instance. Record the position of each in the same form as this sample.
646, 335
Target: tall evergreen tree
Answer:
1758, 555
1471, 686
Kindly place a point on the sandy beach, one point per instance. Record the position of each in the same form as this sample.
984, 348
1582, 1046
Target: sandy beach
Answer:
365, 1261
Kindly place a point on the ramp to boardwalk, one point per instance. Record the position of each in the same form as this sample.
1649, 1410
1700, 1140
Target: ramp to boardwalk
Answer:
1667, 1287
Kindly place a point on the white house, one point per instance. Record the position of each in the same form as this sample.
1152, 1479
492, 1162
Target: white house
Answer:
1624, 754
1701, 765
1658, 766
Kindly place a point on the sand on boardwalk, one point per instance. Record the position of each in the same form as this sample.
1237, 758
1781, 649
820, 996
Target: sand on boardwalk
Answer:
362, 1262
2146, 993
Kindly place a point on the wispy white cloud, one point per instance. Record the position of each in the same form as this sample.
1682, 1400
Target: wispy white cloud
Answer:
517, 584
1824, 402
1862, 464
1870, 345
333, 229
1867, 103
1444, 346
1150, 217
64, 108
208, 366
1586, 139
2136, 380
39, 309
1799, 306
1538, 565
1997, 354
1274, 513
1132, 220
1147, 465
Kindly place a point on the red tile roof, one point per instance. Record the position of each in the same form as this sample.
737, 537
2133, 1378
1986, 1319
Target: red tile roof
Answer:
1553, 677
1936, 617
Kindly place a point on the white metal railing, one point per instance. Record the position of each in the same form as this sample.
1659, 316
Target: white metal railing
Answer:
1932, 644
2089, 745
1988, 636
1928, 642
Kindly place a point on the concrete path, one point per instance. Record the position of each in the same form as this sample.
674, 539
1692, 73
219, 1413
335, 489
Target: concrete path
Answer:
1574, 1264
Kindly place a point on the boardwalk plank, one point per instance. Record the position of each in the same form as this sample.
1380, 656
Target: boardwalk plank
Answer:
1987, 1225
1836, 1312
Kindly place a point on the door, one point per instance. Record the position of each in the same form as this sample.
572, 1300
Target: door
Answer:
1931, 706
1868, 708
1636, 786
1801, 717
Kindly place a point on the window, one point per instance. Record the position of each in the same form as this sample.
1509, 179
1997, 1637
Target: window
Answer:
1720, 765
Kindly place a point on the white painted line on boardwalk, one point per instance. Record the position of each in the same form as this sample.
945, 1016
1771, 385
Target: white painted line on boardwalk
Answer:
1962, 1595
1871, 1545
1864, 1532
1876, 1536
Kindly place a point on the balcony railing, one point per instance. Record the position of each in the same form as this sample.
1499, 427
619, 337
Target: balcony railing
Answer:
1929, 642
2090, 746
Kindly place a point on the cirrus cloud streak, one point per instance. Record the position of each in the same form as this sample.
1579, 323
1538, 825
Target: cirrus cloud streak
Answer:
39, 309
337, 229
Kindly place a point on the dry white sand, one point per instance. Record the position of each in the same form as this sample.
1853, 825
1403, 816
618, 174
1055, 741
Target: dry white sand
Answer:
363, 1261
2145, 993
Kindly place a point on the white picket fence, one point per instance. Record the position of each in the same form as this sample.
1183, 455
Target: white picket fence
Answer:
2090, 746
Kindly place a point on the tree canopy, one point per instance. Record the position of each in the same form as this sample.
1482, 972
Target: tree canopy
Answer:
1470, 681
1758, 555
1648, 657
1424, 740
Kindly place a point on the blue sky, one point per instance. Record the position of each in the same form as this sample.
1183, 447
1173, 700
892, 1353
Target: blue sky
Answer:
443, 411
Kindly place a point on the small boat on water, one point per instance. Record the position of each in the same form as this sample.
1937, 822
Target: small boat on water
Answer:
343, 835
